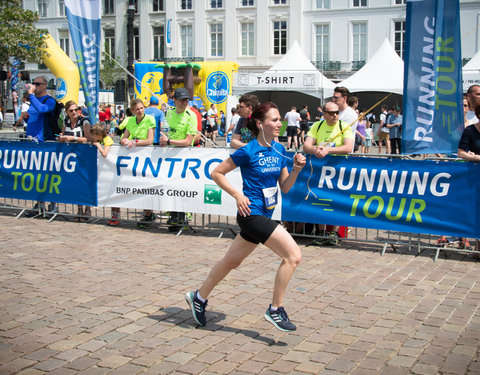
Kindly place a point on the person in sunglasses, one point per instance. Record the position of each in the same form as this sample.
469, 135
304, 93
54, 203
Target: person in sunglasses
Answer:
329, 136
40, 106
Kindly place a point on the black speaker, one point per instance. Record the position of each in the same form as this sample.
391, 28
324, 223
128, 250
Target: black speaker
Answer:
3, 75
24, 75
119, 92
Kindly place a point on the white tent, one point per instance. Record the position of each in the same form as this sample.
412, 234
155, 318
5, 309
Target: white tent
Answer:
471, 72
384, 72
294, 72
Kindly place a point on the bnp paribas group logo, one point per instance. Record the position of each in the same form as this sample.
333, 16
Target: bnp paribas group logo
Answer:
212, 194
217, 87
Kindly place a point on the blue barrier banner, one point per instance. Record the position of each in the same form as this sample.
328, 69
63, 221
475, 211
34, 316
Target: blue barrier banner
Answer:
400, 195
51, 172
84, 23
432, 98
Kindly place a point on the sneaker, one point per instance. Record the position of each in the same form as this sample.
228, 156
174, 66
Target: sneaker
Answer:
147, 221
197, 306
442, 241
173, 219
464, 244
332, 239
52, 208
113, 222
279, 319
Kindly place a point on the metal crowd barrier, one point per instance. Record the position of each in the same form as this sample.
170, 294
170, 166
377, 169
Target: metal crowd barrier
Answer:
384, 239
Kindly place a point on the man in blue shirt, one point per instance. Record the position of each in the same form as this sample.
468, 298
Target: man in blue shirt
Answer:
40, 105
154, 111
394, 124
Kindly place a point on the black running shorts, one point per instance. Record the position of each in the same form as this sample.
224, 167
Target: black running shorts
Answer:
256, 228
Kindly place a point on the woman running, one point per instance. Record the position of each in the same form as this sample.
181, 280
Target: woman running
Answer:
262, 164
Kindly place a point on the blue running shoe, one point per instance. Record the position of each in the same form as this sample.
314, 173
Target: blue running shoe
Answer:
279, 319
198, 307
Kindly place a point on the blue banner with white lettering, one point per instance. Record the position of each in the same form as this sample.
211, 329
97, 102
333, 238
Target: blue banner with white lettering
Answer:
432, 97
84, 22
400, 195
50, 171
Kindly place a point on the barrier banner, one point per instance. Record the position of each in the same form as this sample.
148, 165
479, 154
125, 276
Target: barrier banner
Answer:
84, 20
432, 98
166, 179
51, 172
400, 195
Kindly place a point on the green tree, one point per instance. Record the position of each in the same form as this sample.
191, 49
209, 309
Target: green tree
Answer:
18, 35
110, 71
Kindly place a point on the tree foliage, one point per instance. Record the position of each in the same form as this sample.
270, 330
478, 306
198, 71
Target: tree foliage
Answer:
18, 35
110, 71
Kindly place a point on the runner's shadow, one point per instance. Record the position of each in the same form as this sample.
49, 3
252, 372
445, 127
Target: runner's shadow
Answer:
179, 316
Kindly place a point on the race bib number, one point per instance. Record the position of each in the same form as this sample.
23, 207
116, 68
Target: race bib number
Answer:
270, 196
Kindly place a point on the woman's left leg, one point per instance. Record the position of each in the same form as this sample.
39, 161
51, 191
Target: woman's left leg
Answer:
282, 243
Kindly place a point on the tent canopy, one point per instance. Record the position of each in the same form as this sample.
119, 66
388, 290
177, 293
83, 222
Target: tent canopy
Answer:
384, 72
293, 72
471, 72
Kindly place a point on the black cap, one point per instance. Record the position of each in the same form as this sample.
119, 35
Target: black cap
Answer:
181, 93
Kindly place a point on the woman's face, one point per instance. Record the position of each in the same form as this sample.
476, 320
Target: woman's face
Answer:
465, 106
138, 110
272, 124
72, 112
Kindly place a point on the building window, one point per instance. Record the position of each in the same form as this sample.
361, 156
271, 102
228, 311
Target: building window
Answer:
400, 2
108, 6
215, 4
186, 33
248, 39
158, 43
64, 40
247, 3
359, 42
279, 2
158, 5
185, 4
136, 44
400, 37
359, 3
61, 8
42, 8
321, 42
216, 39
322, 4
279, 37
109, 42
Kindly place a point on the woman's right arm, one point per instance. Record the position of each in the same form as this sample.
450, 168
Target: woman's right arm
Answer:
469, 156
218, 175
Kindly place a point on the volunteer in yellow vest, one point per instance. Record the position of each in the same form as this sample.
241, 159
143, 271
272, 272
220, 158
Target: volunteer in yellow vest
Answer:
181, 120
322, 140
324, 130
139, 131
183, 127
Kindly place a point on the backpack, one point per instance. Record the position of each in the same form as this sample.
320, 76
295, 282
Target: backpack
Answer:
53, 120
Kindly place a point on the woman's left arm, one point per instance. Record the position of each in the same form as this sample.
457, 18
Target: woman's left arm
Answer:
286, 180
148, 141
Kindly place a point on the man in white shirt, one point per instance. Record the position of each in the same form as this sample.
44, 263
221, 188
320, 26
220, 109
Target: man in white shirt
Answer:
293, 127
347, 114
23, 113
473, 97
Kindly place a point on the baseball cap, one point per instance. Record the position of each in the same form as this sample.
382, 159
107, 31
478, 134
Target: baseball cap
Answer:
153, 100
181, 93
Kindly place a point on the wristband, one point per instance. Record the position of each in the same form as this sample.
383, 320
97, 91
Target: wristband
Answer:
168, 141
75, 139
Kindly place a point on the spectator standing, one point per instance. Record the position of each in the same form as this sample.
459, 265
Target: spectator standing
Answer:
384, 131
367, 143
304, 119
212, 127
76, 128
241, 133
121, 114
293, 128
347, 113
159, 117
139, 131
197, 138
22, 120
41, 106
394, 123
473, 97
330, 136
361, 132
183, 128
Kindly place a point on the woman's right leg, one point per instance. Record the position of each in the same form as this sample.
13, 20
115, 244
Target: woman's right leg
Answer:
238, 251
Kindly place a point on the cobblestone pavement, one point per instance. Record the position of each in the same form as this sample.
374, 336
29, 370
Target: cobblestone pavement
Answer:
85, 298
